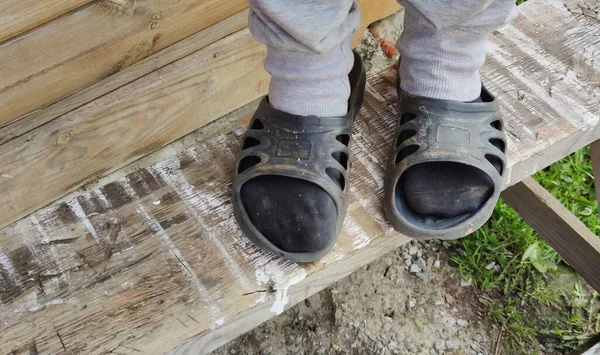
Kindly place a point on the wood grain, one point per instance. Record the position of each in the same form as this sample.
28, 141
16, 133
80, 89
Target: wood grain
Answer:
19, 16
93, 42
155, 259
372, 11
158, 60
128, 123
558, 226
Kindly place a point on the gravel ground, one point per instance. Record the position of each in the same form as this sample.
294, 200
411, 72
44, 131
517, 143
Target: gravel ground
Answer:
408, 302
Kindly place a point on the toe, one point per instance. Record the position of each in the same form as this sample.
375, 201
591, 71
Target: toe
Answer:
445, 189
293, 214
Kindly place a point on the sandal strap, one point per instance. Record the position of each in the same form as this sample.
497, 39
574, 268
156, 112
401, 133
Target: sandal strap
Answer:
430, 130
302, 147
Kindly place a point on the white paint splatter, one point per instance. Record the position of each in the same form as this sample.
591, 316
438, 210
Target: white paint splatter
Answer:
7, 265
196, 201
157, 229
282, 287
360, 239
82, 216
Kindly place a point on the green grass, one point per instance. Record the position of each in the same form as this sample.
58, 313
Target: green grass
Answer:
534, 295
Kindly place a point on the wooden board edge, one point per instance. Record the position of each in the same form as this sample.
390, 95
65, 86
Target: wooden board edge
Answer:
12, 31
595, 155
558, 226
315, 282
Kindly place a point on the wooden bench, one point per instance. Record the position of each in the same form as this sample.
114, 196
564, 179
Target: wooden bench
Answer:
150, 260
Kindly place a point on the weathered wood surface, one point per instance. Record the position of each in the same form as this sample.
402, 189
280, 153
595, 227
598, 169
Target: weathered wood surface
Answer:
128, 123
93, 42
132, 113
154, 259
158, 60
151, 260
558, 226
19, 16
99, 39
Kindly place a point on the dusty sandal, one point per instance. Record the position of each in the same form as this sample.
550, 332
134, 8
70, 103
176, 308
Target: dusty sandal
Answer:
449, 132
308, 149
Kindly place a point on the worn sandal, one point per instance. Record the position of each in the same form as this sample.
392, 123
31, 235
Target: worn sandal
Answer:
433, 130
302, 147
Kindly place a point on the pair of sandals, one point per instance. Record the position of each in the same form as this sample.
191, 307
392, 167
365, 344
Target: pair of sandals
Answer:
317, 150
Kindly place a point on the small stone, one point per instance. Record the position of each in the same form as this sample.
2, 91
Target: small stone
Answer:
490, 266
446, 245
440, 345
414, 268
419, 254
413, 250
400, 338
451, 345
408, 261
392, 345
335, 346
412, 303
462, 322
405, 255
437, 264
497, 269
159, 302
449, 298
421, 264
232, 351
467, 283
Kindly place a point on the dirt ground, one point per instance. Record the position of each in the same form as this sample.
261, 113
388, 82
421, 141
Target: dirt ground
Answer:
408, 302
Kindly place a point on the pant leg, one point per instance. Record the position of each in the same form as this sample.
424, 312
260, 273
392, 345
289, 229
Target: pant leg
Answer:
443, 45
309, 55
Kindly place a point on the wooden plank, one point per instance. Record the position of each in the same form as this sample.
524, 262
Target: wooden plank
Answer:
558, 226
155, 259
160, 59
372, 11
78, 146
19, 16
595, 155
128, 123
93, 42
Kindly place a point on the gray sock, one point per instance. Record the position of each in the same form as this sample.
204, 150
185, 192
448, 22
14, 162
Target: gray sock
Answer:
305, 83
443, 45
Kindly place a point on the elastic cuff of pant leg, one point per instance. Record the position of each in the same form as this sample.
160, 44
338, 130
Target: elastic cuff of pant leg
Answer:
451, 88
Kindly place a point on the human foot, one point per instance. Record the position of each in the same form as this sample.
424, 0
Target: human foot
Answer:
291, 186
445, 170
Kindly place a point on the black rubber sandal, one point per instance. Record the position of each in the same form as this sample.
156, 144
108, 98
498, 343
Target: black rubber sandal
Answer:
432, 130
302, 147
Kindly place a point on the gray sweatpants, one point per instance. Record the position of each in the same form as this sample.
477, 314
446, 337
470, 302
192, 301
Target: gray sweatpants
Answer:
309, 56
